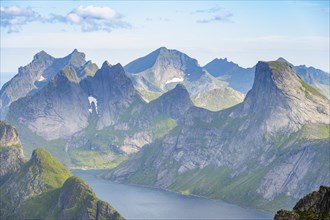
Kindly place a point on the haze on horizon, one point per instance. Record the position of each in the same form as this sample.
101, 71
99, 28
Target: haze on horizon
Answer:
120, 31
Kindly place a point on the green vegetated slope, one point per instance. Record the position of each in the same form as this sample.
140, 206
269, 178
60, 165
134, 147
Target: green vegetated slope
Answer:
43, 188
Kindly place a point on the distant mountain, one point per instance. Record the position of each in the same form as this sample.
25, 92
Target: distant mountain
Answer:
265, 152
38, 73
159, 72
42, 187
315, 205
316, 78
239, 78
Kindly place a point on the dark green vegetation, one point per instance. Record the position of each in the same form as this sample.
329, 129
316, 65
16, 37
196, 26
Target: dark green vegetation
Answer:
314, 206
42, 188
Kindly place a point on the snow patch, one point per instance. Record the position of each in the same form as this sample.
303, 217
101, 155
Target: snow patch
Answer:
41, 78
92, 99
175, 80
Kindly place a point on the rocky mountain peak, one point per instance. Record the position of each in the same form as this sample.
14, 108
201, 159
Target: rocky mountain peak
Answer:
276, 96
42, 55
68, 73
39, 156
109, 71
8, 135
106, 64
282, 59
173, 103
221, 67
76, 58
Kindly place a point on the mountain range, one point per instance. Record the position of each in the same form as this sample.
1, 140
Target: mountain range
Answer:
42, 188
155, 121
256, 153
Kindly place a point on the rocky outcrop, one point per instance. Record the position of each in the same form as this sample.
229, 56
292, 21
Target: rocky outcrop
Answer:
174, 103
39, 73
78, 201
314, 206
11, 153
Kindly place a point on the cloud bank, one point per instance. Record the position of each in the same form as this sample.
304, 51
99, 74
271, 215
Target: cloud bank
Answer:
214, 14
14, 17
87, 18
91, 18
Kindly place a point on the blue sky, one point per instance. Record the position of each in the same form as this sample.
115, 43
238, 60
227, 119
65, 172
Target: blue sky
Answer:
120, 31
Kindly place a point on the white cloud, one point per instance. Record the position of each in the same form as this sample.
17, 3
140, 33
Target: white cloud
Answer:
91, 18
14, 17
217, 14
102, 13
223, 16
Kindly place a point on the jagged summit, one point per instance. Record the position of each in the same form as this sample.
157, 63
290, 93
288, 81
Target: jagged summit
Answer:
106, 64
42, 55
76, 58
108, 70
282, 59
173, 103
221, 67
67, 73
276, 97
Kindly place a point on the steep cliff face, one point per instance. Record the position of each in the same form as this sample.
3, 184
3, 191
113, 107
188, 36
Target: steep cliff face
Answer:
112, 91
39, 73
11, 153
314, 206
268, 149
66, 104
282, 100
56, 111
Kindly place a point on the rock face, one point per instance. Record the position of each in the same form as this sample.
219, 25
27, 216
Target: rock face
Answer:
43, 188
315, 205
280, 93
273, 146
11, 153
174, 103
113, 92
241, 79
39, 73
66, 104
161, 70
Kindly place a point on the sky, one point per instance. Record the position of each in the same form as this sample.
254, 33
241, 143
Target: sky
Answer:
120, 31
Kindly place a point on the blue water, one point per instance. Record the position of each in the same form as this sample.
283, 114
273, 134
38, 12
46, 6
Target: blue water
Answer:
135, 202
